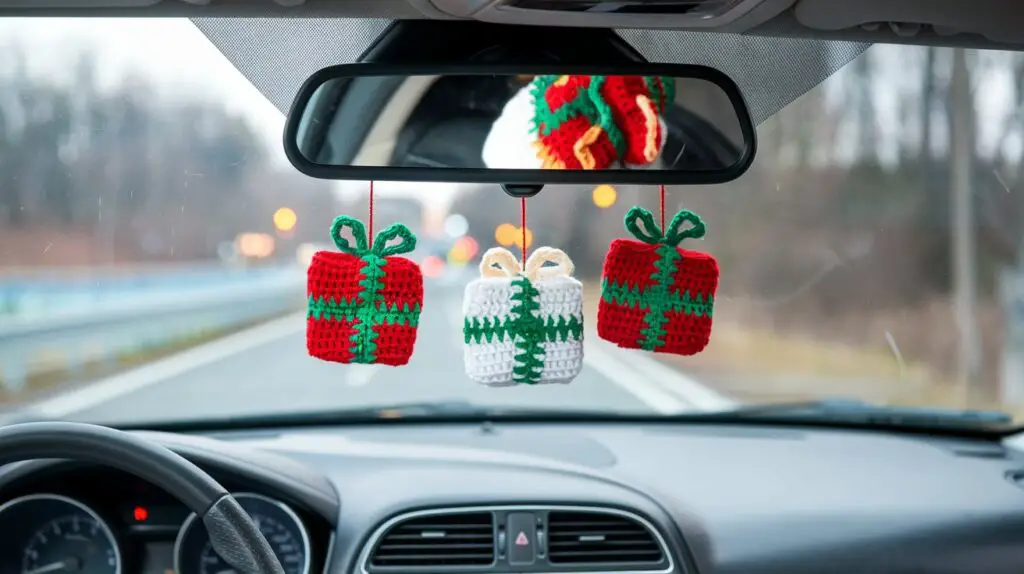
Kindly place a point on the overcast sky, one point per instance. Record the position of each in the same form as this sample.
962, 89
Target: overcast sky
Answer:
172, 54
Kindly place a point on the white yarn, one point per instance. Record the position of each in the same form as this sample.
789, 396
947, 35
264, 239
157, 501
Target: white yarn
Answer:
509, 145
490, 298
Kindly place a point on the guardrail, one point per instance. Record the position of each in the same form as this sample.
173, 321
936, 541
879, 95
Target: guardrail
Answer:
38, 292
114, 327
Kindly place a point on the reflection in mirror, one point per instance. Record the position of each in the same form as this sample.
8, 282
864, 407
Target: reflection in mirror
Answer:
569, 122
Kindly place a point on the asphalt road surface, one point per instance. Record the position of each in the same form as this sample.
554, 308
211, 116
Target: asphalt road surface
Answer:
266, 370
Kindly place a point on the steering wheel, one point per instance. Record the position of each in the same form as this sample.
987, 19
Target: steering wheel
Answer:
233, 534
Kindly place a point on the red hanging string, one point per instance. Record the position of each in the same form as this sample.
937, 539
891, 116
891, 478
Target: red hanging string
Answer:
369, 233
662, 193
522, 210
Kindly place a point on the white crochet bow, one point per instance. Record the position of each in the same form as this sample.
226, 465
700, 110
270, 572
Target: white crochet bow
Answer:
500, 262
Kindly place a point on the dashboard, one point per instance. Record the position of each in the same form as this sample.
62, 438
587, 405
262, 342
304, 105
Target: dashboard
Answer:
515, 498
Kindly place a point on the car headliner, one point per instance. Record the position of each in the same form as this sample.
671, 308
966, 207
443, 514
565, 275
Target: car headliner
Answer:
775, 51
277, 54
774, 56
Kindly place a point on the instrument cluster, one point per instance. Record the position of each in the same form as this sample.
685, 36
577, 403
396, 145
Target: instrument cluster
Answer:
49, 533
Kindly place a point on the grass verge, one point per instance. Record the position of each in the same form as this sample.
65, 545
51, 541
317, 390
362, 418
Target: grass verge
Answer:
761, 365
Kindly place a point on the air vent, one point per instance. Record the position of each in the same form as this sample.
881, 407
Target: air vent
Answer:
437, 541
600, 538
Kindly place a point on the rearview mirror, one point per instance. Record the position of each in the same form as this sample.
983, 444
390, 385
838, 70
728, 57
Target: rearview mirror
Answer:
672, 124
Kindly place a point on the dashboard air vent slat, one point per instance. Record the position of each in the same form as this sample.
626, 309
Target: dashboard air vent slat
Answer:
436, 541
600, 538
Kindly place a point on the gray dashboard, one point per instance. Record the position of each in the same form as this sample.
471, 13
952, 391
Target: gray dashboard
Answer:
726, 499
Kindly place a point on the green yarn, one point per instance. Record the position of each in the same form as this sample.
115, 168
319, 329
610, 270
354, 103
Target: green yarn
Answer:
622, 294
380, 242
344, 310
605, 117
364, 339
662, 90
528, 327
652, 234
657, 298
492, 329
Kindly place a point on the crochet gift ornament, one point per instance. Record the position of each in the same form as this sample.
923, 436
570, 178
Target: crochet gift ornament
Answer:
364, 302
524, 326
654, 295
582, 122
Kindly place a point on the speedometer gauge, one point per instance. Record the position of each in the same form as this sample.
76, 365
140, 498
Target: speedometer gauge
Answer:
193, 553
55, 535
70, 543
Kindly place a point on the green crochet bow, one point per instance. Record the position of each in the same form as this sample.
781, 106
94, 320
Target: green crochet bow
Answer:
673, 236
380, 247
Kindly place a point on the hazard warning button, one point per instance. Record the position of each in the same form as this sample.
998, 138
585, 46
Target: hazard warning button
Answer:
522, 538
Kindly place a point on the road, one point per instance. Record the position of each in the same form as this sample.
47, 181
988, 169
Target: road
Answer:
266, 370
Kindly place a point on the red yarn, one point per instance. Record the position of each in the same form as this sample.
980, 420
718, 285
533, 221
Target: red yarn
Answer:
621, 94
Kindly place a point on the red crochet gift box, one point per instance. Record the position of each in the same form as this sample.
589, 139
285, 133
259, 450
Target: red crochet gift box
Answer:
654, 295
364, 303
595, 122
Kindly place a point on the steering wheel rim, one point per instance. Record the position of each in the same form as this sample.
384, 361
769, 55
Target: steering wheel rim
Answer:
233, 535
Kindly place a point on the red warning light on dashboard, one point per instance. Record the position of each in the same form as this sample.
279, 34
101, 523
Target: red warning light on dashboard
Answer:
140, 513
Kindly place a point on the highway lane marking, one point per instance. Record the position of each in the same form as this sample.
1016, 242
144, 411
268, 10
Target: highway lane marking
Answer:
643, 375
158, 371
688, 388
627, 379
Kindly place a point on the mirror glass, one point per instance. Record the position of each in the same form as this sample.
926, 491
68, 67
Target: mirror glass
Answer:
533, 122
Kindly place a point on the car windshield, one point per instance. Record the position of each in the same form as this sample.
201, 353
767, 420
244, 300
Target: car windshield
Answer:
154, 246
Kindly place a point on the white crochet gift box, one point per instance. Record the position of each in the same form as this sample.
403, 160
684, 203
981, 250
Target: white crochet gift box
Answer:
523, 324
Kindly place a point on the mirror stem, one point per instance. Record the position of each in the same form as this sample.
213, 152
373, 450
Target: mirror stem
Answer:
520, 191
